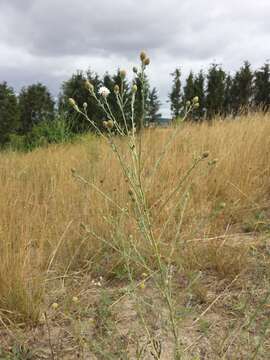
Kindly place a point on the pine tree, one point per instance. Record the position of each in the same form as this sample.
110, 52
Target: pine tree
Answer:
36, 105
189, 88
175, 97
215, 91
242, 88
141, 108
9, 112
262, 87
228, 100
154, 106
199, 91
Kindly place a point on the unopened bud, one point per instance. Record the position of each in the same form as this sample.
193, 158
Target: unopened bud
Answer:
212, 162
196, 105
72, 102
134, 89
146, 61
110, 124
205, 154
222, 205
142, 55
85, 105
188, 103
116, 89
123, 74
89, 86
195, 100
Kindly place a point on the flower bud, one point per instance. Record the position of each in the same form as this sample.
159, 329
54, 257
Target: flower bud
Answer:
195, 100
89, 86
142, 285
134, 89
116, 89
72, 102
135, 70
146, 61
55, 306
142, 55
196, 105
188, 103
85, 106
110, 124
123, 74
222, 205
212, 162
205, 154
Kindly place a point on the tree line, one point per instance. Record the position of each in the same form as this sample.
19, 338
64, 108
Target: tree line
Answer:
34, 113
220, 93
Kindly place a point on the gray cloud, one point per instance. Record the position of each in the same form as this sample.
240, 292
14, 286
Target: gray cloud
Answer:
48, 40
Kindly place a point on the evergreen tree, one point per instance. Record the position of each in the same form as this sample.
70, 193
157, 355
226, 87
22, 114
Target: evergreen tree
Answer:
189, 88
75, 88
242, 88
189, 93
228, 100
141, 110
9, 112
154, 106
199, 91
175, 97
36, 105
262, 87
215, 91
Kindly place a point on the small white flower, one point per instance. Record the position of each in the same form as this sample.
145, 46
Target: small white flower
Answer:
103, 91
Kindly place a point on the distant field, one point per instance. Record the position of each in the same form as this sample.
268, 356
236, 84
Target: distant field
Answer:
63, 242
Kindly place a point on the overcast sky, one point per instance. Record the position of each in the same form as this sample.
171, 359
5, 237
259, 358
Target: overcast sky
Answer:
47, 40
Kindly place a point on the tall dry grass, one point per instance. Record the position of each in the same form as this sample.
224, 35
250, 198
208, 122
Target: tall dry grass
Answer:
53, 221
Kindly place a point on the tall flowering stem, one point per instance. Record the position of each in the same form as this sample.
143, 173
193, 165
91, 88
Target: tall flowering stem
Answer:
133, 174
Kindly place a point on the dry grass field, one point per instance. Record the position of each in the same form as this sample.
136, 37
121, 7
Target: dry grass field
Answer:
68, 247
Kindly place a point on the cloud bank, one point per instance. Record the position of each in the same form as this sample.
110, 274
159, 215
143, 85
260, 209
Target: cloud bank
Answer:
48, 40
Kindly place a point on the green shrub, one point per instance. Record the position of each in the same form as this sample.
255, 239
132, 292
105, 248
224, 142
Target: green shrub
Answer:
46, 132
17, 142
50, 132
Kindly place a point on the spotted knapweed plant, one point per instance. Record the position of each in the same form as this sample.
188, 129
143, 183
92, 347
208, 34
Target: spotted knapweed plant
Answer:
132, 130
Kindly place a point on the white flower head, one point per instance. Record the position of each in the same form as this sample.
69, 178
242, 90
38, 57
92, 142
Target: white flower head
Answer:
103, 91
